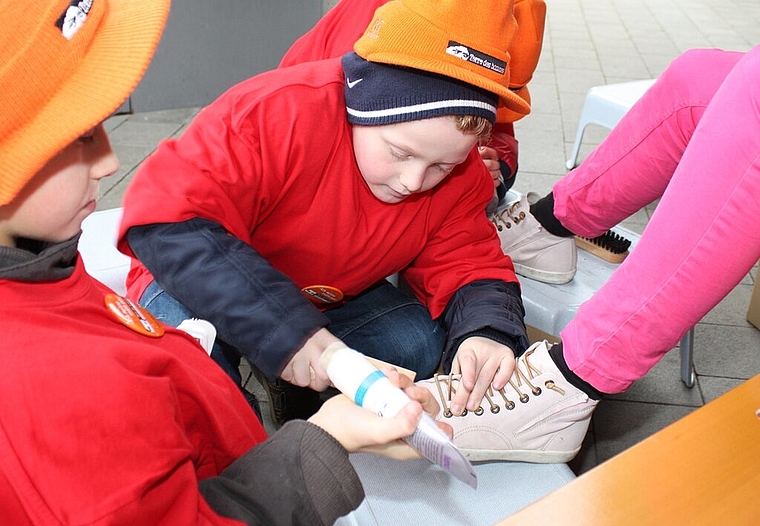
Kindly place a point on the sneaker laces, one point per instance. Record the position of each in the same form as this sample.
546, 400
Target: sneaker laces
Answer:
507, 217
520, 382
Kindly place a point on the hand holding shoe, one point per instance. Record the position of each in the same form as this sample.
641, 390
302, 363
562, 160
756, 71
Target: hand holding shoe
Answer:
483, 363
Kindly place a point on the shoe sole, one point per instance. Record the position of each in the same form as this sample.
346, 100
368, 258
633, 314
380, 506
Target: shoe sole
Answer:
272, 403
553, 278
531, 456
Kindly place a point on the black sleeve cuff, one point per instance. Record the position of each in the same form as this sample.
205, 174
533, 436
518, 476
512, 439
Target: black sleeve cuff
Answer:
489, 308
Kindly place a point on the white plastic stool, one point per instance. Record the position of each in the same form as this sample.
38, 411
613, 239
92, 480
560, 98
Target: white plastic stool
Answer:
605, 106
420, 493
98, 249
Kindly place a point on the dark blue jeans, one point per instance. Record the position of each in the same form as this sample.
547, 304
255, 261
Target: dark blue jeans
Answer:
388, 324
383, 322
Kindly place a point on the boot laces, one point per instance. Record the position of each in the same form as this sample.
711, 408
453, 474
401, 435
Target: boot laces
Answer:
507, 217
520, 382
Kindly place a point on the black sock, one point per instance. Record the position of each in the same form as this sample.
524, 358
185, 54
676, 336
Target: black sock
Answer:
559, 360
543, 211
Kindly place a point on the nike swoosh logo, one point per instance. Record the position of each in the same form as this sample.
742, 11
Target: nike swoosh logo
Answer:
352, 83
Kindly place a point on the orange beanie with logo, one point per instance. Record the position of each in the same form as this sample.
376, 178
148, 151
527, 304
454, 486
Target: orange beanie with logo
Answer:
66, 65
462, 39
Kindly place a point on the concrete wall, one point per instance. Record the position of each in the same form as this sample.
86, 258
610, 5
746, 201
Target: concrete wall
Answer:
210, 45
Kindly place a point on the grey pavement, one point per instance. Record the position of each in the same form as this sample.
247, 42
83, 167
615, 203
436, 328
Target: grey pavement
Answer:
587, 43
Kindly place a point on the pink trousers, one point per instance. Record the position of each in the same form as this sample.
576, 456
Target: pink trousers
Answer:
693, 140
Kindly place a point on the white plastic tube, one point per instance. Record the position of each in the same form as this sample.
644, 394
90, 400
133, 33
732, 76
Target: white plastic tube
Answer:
357, 378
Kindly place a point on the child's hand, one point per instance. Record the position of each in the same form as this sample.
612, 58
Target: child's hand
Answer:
482, 363
361, 430
491, 160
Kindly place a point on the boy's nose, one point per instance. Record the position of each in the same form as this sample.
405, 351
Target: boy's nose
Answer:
107, 165
412, 179
104, 161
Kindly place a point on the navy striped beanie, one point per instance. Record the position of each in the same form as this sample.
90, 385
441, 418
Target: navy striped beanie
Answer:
379, 93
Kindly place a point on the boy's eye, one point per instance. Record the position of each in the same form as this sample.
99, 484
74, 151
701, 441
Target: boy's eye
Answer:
397, 154
87, 136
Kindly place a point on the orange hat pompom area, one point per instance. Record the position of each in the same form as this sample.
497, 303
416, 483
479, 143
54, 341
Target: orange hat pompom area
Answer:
65, 66
461, 39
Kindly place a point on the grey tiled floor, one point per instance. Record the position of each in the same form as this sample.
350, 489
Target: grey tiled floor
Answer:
587, 43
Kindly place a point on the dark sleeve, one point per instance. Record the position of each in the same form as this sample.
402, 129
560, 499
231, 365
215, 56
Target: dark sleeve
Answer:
254, 307
489, 308
300, 475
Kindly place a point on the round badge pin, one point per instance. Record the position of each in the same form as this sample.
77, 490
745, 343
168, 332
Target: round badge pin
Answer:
134, 316
322, 294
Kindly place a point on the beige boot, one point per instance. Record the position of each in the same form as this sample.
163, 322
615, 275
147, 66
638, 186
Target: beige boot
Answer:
538, 417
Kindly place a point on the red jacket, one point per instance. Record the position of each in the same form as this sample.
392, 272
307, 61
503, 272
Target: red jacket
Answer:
100, 424
261, 197
272, 162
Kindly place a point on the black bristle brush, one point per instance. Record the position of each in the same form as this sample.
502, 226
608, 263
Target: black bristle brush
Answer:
610, 246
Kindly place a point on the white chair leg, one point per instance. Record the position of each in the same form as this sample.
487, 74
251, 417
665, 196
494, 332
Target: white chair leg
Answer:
571, 162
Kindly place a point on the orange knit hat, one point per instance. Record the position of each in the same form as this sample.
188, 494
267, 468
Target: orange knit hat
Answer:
65, 65
464, 39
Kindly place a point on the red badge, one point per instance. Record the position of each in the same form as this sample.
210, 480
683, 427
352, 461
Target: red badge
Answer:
134, 316
321, 295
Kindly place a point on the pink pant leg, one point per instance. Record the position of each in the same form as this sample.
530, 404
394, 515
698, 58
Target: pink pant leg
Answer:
705, 234
635, 163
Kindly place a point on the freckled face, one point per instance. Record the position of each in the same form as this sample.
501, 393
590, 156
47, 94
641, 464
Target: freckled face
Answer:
398, 160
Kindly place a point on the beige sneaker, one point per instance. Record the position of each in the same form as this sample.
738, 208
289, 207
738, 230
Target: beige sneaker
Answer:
536, 253
538, 417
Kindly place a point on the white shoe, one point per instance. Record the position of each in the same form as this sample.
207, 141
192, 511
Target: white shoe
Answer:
536, 253
538, 417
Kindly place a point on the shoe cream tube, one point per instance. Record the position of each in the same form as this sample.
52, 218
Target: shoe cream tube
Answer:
357, 378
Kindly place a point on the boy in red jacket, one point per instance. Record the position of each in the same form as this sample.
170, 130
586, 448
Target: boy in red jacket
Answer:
281, 210
535, 254
106, 415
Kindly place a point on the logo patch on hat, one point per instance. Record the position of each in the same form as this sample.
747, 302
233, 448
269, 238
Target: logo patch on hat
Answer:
476, 57
74, 17
373, 31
